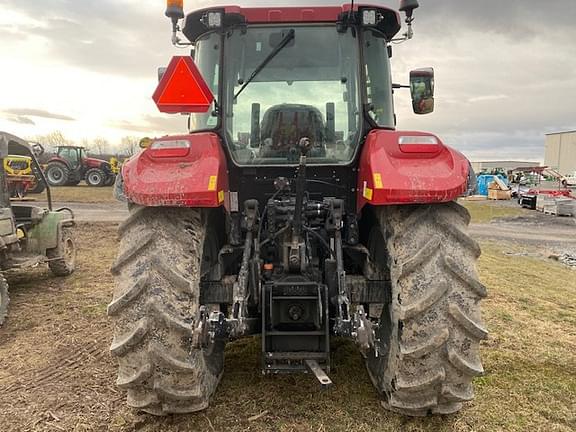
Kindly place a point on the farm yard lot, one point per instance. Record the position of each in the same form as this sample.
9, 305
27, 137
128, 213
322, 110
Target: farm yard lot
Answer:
80, 194
56, 373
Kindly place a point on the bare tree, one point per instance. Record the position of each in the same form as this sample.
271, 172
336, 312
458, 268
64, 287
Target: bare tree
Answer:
53, 140
129, 145
85, 143
100, 146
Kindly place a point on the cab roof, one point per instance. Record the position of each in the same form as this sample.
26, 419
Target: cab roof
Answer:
235, 15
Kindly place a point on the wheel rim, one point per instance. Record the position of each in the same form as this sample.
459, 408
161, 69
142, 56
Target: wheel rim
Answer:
69, 252
55, 174
94, 178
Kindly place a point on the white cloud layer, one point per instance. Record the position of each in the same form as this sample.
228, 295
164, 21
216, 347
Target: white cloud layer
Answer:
88, 68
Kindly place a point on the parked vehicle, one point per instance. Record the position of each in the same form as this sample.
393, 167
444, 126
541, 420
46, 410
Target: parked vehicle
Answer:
293, 209
71, 165
30, 235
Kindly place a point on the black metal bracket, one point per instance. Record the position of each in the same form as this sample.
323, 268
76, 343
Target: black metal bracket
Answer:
334, 225
238, 320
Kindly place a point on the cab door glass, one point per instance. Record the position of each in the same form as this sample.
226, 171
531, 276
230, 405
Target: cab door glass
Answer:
380, 106
70, 155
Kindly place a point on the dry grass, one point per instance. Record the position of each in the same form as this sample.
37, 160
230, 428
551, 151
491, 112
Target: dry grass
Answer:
79, 194
485, 211
56, 373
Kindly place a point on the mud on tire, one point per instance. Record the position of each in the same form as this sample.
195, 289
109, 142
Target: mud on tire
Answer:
429, 349
63, 257
154, 308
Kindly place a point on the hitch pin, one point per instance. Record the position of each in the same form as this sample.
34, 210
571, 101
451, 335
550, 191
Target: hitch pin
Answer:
318, 372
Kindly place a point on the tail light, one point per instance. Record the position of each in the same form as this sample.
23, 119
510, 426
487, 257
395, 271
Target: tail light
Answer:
169, 148
419, 144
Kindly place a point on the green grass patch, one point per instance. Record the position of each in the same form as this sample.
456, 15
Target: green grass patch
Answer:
483, 212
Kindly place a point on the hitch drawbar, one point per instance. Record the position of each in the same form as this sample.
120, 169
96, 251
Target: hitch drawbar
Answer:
318, 372
295, 328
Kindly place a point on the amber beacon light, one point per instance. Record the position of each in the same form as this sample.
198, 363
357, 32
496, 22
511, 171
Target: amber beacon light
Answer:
175, 9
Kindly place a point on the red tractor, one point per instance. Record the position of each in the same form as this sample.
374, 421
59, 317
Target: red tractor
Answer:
70, 166
294, 209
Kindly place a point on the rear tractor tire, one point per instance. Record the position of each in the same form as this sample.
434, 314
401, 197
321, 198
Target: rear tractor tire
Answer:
38, 187
4, 299
110, 180
63, 258
430, 333
156, 302
57, 174
95, 177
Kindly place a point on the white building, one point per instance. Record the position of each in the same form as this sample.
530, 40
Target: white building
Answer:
503, 165
561, 152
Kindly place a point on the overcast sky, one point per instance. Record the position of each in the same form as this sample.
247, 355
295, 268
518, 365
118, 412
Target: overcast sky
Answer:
505, 70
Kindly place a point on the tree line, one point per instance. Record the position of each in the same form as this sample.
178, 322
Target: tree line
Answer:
101, 147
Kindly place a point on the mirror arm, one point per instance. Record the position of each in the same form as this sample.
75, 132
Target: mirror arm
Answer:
400, 86
176, 41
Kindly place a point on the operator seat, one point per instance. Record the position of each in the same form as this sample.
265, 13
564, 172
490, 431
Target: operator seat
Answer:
284, 125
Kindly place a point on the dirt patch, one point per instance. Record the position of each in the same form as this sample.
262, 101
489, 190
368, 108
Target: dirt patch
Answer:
506, 221
56, 374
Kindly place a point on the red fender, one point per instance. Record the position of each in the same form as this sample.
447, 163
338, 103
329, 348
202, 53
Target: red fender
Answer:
93, 163
197, 177
421, 170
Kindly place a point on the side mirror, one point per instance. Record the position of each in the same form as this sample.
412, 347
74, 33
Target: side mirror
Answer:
422, 88
408, 6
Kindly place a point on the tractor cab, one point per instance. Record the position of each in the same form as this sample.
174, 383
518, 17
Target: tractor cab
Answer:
327, 81
73, 155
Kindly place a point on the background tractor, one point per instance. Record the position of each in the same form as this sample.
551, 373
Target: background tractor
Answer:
294, 209
30, 235
70, 165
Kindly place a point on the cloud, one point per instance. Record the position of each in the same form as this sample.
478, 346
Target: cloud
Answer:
37, 113
106, 36
18, 119
154, 125
486, 98
503, 68
516, 18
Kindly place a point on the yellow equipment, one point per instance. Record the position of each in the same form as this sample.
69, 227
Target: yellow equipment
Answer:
114, 165
19, 175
